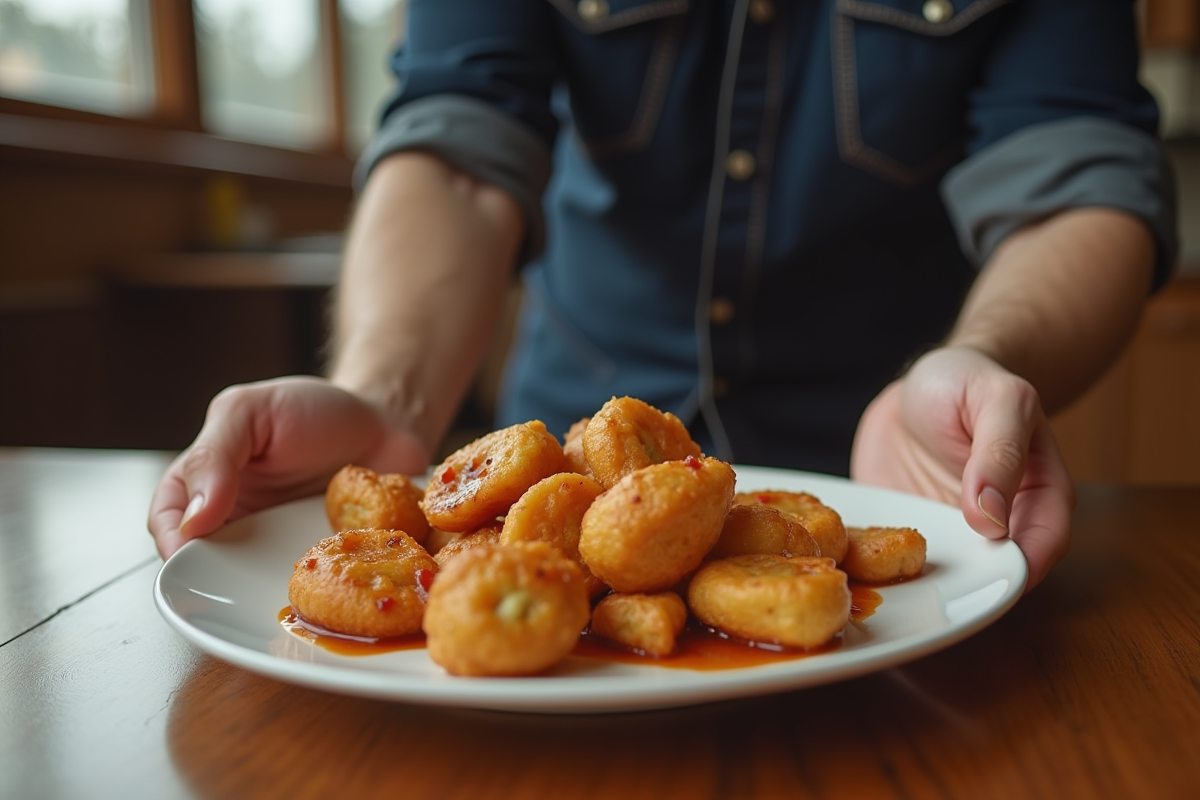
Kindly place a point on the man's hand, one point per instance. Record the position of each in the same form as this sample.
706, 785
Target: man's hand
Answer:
961, 429
267, 443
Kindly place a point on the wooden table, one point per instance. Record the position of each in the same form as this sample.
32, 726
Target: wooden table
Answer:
1090, 687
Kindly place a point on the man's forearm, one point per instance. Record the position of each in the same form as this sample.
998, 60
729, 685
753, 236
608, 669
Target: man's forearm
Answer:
1059, 299
428, 257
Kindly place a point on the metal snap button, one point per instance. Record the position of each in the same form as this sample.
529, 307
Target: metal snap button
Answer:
592, 10
937, 11
721, 311
762, 11
739, 165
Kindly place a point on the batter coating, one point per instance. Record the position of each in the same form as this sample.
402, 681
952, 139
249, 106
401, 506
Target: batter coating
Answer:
552, 511
795, 602
761, 528
657, 524
488, 534
505, 610
358, 498
480, 481
649, 623
882, 555
573, 448
363, 583
627, 434
822, 522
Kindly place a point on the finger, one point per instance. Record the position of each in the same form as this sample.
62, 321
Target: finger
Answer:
1041, 516
166, 510
1000, 426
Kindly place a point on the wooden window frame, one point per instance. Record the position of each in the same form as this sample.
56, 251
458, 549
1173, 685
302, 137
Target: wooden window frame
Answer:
171, 132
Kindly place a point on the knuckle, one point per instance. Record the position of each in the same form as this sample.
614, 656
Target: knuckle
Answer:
1006, 454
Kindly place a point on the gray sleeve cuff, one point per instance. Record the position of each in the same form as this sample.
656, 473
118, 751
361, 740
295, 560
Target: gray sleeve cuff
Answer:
1055, 166
478, 139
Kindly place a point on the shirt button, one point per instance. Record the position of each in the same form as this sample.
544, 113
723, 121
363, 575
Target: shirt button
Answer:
720, 387
592, 10
739, 165
721, 311
762, 11
937, 11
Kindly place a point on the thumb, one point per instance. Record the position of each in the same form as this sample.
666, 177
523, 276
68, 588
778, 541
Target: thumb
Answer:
200, 489
1000, 422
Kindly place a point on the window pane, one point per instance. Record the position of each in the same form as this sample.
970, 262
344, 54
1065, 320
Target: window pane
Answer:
260, 70
370, 30
89, 54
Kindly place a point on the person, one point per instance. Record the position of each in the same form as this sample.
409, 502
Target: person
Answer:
879, 238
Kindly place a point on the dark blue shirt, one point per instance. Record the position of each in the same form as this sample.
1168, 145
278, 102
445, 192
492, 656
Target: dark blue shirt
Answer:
758, 211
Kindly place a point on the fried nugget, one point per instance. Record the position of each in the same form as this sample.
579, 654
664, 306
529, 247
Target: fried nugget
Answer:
488, 534
363, 583
573, 448
762, 529
505, 610
552, 511
481, 480
882, 555
656, 524
822, 522
648, 623
627, 434
358, 498
795, 602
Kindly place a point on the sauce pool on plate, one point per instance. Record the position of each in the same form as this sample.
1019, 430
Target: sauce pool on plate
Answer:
699, 647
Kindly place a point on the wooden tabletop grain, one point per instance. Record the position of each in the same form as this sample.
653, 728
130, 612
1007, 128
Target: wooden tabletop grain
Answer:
1090, 687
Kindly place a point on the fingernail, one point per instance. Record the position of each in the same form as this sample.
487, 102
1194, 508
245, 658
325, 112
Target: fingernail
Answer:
195, 504
992, 504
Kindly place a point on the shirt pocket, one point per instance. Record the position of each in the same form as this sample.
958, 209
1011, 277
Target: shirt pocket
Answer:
619, 57
903, 71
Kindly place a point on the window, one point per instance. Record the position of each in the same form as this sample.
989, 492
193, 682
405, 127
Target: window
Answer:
87, 54
370, 30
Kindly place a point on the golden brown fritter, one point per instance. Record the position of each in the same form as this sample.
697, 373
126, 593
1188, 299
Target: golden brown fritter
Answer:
822, 522
488, 534
760, 528
795, 602
363, 583
505, 610
573, 448
647, 623
657, 524
552, 511
480, 481
358, 498
882, 555
627, 434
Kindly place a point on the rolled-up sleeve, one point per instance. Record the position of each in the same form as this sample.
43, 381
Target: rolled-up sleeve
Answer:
474, 85
1059, 121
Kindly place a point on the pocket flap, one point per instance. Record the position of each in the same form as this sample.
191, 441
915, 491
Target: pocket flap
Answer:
926, 17
601, 16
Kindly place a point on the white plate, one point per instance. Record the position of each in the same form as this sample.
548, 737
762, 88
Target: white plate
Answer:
224, 594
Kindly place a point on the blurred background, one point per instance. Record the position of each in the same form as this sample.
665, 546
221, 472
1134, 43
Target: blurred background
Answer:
175, 177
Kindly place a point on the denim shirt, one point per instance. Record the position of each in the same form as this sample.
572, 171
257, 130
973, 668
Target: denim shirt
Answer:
754, 213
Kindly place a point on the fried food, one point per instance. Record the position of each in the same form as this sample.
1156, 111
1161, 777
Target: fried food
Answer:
795, 602
505, 610
573, 448
363, 583
761, 528
358, 498
656, 524
552, 511
648, 623
627, 434
882, 555
822, 522
488, 534
481, 480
